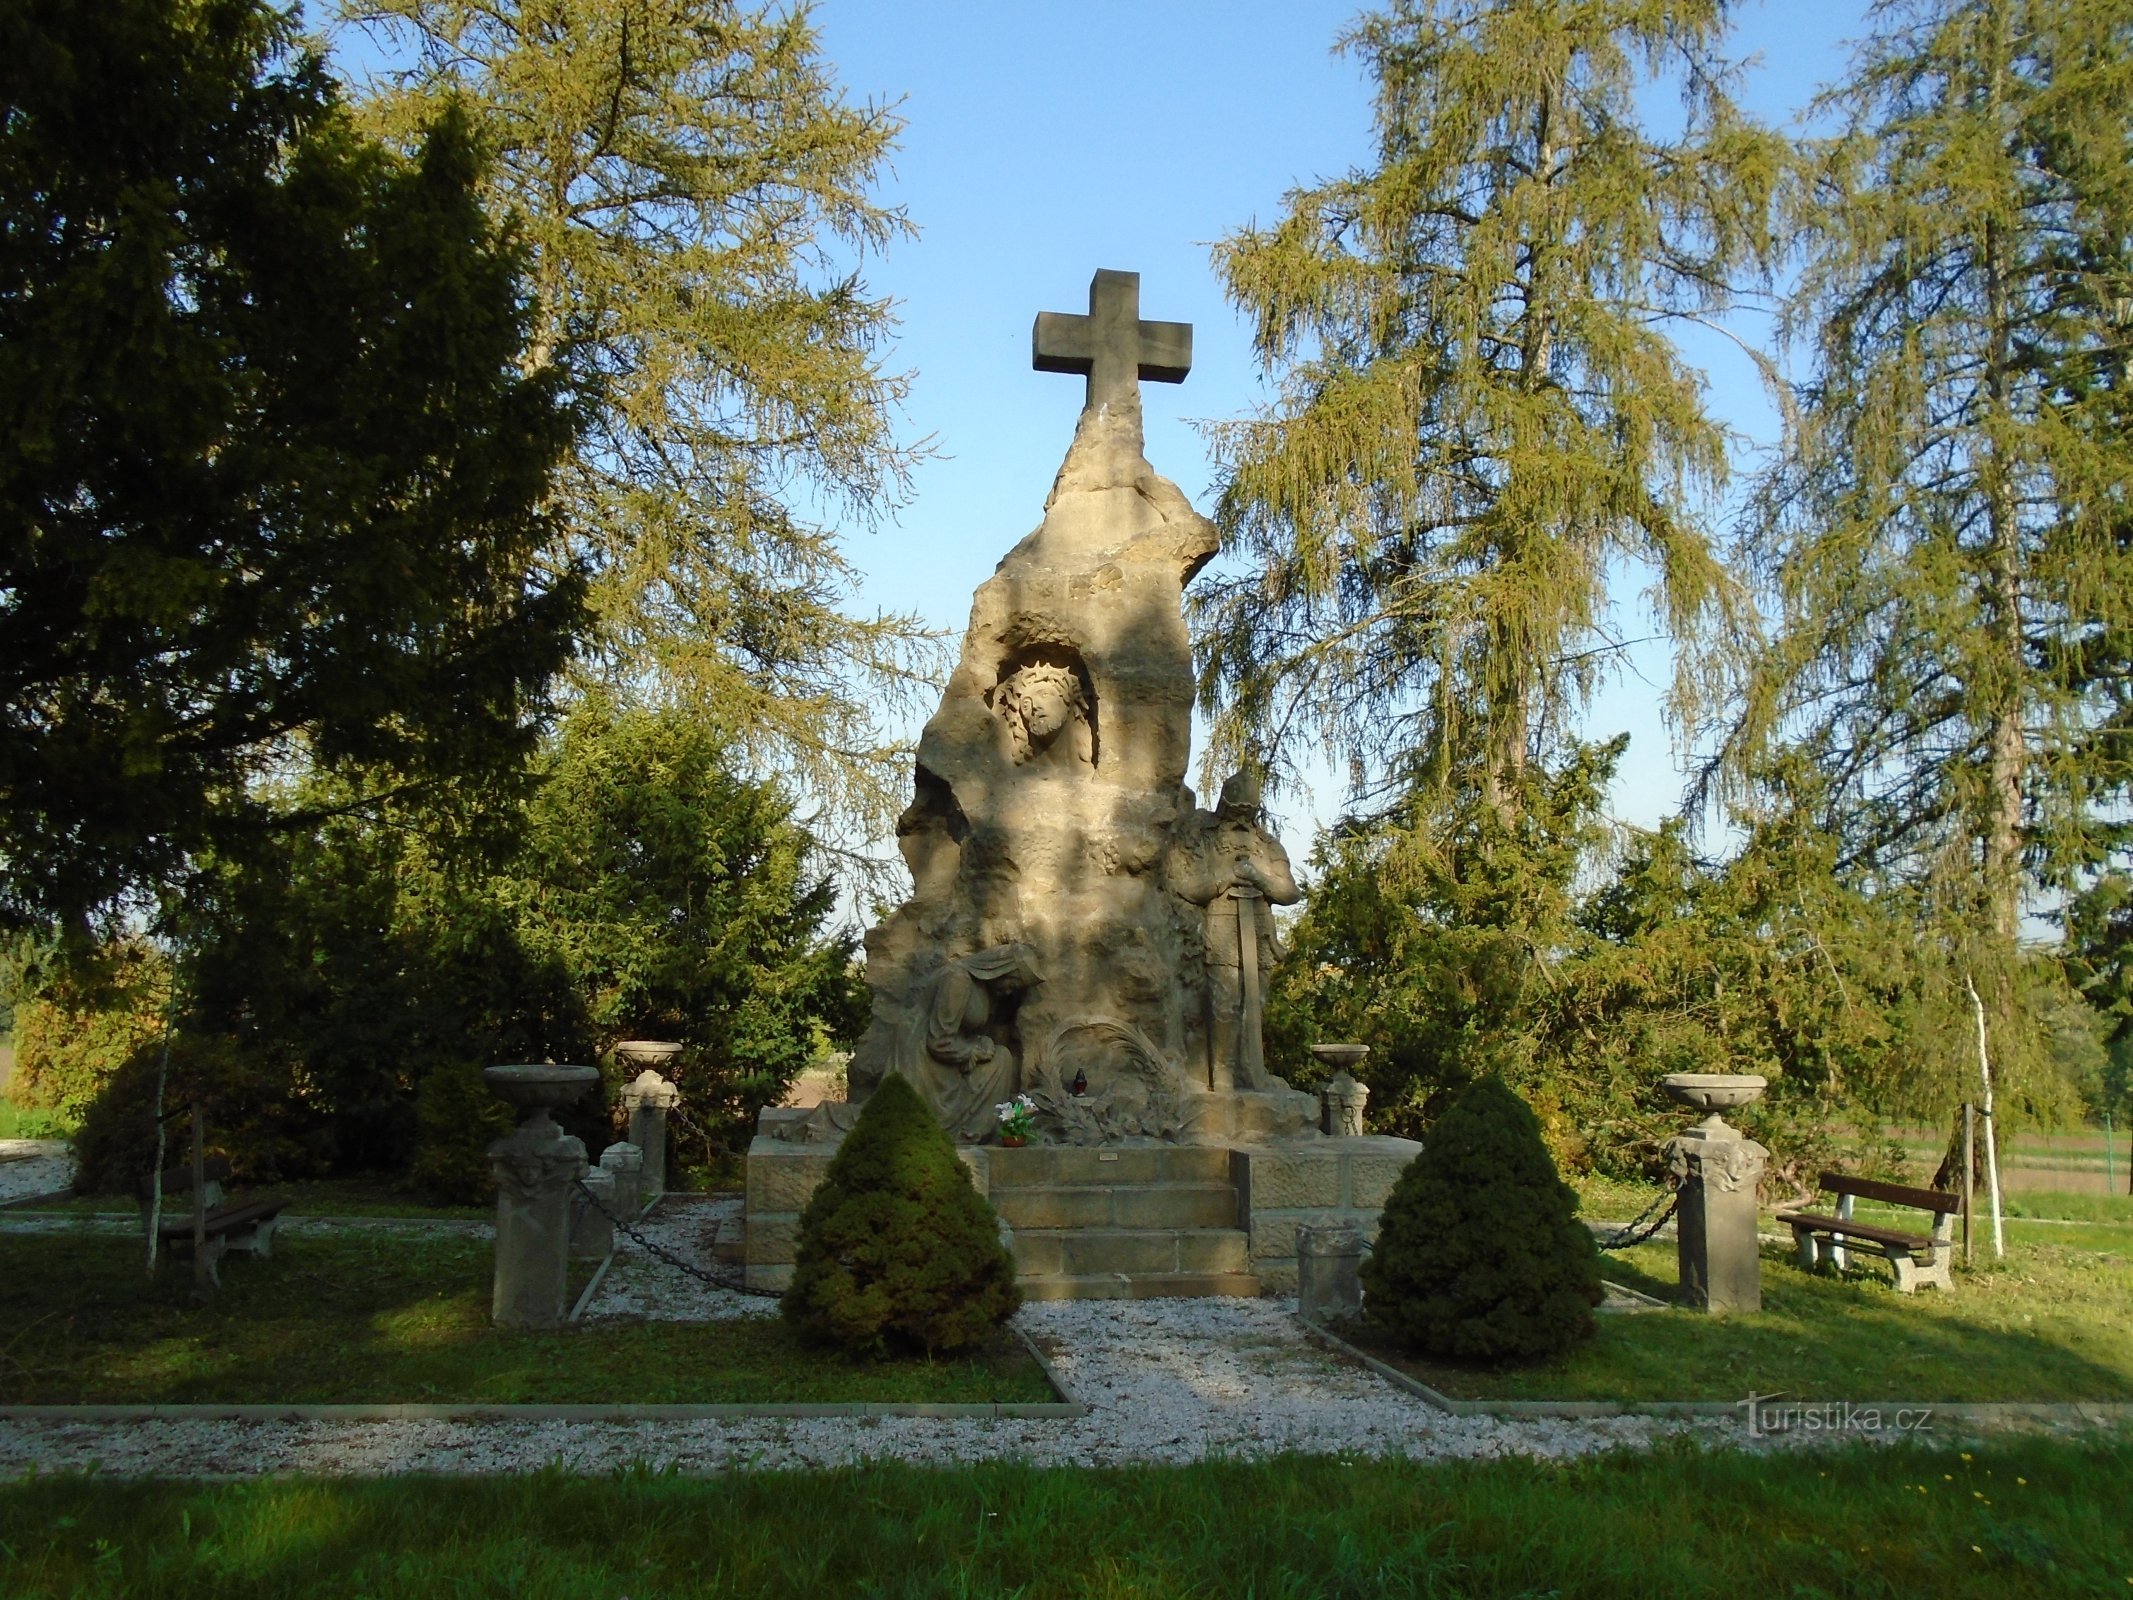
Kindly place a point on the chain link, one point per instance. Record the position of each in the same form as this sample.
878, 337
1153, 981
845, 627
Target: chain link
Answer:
727, 1278
691, 1124
1623, 1238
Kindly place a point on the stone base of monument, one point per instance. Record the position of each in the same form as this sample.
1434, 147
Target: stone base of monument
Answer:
1122, 1221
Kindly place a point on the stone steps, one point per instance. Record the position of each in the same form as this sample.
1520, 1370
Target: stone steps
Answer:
1131, 1222
1166, 1219
1080, 1252
1139, 1286
1065, 1166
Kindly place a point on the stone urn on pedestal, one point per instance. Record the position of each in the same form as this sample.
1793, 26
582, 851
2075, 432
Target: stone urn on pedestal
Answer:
1718, 1168
649, 1097
534, 1167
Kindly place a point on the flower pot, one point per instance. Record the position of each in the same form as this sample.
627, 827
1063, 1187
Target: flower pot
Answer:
1013, 1141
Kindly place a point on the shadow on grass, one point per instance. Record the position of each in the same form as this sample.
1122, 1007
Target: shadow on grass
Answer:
2051, 1324
2019, 1518
383, 1319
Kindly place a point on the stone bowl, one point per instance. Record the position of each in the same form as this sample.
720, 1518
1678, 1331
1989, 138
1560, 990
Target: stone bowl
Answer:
1713, 1092
535, 1089
656, 1054
1340, 1056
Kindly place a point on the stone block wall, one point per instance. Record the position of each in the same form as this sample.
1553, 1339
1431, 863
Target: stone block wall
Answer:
1278, 1188
1283, 1187
782, 1178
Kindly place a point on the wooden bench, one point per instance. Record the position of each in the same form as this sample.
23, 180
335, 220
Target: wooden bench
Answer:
245, 1225
1917, 1258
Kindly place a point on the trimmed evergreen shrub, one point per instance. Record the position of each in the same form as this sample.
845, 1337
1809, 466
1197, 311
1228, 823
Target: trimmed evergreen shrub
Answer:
1480, 1256
896, 1248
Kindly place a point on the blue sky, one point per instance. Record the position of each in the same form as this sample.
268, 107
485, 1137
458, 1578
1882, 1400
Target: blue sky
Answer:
1045, 140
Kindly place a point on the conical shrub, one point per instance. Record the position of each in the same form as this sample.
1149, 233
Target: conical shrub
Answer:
896, 1248
1480, 1257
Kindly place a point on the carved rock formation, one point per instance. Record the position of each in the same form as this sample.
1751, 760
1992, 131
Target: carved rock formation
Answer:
1043, 938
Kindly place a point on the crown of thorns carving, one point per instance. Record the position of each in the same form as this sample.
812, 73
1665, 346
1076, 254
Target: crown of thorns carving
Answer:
1017, 692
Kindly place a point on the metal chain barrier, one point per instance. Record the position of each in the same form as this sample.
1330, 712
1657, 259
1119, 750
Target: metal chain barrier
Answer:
1623, 1238
691, 1124
726, 1278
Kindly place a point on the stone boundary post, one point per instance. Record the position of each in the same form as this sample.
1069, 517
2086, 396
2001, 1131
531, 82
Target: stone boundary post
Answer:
626, 1162
1718, 1169
1329, 1260
649, 1098
534, 1169
593, 1236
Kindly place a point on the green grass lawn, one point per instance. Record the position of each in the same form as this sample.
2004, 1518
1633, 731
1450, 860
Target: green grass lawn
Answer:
2054, 1321
19, 1122
380, 1318
2074, 1207
2013, 1520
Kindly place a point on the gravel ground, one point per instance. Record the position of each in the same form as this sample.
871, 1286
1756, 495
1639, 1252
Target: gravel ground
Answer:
639, 1284
34, 1166
1165, 1380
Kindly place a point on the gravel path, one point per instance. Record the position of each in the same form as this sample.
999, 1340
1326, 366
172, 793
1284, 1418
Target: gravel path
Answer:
1165, 1380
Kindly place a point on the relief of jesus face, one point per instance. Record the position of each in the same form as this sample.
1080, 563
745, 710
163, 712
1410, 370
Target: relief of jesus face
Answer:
1045, 711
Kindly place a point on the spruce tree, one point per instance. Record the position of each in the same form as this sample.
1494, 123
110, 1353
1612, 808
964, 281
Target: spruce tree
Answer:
694, 190
1481, 409
1480, 1256
897, 1249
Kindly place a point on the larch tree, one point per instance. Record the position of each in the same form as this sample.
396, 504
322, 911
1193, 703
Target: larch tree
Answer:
1482, 408
1945, 535
695, 192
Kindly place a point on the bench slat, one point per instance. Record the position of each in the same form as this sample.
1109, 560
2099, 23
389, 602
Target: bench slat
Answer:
1854, 1230
224, 1220
1894, 1194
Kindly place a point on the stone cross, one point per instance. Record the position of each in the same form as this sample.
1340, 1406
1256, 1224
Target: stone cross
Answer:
1111, 345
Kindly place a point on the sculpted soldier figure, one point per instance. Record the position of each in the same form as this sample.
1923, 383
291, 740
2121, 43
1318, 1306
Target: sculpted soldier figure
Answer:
1227, 863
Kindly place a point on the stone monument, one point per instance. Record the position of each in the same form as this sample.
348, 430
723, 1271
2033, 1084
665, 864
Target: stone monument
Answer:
1078, 929
1718, 1169
1072, 914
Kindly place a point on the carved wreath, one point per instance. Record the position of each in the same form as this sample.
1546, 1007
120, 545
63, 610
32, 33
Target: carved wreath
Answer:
1725, 1165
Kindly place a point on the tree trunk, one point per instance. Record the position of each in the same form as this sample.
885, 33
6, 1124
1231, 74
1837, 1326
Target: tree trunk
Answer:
2007, 745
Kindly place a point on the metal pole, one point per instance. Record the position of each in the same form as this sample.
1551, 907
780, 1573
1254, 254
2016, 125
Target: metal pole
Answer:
1969, 1172
1992, 1127
200, 1263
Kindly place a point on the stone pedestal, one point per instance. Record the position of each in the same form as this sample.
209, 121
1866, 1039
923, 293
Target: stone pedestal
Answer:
534, 1168
1341, 1100
1329, 1284
1314, 1182
1718, 1169
592, 1236
626, 1162
649, 1098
